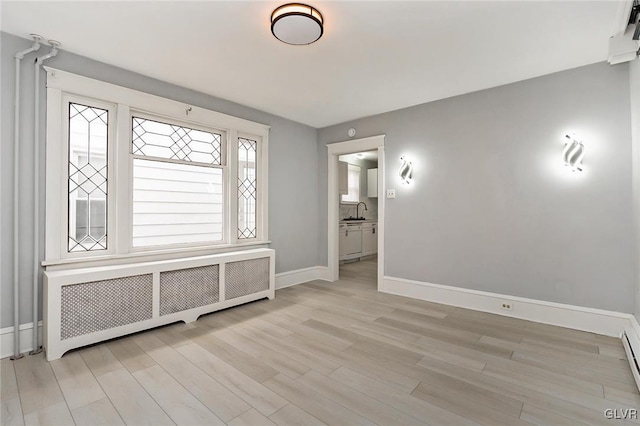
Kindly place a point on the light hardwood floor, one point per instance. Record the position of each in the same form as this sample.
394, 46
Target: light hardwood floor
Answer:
330, 353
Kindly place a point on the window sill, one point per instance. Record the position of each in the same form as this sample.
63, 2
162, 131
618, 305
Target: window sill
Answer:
166, 254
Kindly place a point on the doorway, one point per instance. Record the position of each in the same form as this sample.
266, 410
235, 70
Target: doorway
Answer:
335, 150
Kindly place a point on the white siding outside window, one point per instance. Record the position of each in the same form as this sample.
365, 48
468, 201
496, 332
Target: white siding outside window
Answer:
176, 203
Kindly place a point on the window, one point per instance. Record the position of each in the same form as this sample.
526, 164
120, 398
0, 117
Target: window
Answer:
178, 174
353, 182
87, 177
157, 177
247, 188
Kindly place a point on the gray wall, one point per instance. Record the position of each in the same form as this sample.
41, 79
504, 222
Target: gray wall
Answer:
293, 164
634, 81
493, 208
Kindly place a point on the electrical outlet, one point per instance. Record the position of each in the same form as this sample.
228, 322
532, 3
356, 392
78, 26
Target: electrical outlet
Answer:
391, 193
507, 306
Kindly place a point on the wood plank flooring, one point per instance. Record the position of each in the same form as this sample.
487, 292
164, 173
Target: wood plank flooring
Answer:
330, 353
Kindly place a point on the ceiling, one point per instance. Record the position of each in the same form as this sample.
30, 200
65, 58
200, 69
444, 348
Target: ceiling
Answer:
356, 156
373, 57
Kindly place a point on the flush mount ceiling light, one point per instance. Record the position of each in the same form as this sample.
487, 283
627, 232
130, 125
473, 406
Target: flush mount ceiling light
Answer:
297, 23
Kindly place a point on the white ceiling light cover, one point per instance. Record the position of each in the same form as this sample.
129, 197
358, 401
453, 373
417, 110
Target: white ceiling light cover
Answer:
297, 24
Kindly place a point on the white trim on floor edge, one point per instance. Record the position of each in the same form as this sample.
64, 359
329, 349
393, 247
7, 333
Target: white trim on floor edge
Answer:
599, 321
299, 276
26, 339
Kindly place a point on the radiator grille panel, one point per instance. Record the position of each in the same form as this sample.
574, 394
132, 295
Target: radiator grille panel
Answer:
101, 305
246, 277
188, 288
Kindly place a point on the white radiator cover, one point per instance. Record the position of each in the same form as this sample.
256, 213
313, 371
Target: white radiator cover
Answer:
89, 305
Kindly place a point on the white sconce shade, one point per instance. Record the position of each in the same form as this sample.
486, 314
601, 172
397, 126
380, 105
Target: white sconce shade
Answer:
573, 153
406, 171
297, 23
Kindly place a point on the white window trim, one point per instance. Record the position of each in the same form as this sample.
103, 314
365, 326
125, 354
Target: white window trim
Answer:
62, 85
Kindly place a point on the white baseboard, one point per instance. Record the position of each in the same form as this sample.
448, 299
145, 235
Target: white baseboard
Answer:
299, 276
26, 336
597, 321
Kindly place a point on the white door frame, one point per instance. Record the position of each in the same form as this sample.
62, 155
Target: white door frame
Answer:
334, 151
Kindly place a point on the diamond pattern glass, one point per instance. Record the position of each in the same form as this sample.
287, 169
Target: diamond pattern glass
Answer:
87, 183
247, 188
162, 140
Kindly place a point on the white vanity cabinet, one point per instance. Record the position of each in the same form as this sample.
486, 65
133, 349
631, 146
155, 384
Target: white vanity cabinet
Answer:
350, 241
357, 240
342, 241
369, 238
354, 240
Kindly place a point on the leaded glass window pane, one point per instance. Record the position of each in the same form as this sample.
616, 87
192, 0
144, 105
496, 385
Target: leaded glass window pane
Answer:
88, 138
162, 140
247, 188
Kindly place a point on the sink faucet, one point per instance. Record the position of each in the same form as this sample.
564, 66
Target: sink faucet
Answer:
358, 207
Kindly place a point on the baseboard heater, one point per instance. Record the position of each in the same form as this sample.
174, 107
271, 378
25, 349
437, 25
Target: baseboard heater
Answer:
631, 345
90, 305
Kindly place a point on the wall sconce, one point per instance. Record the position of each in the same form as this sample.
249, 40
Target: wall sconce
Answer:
406, 171
573, 153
